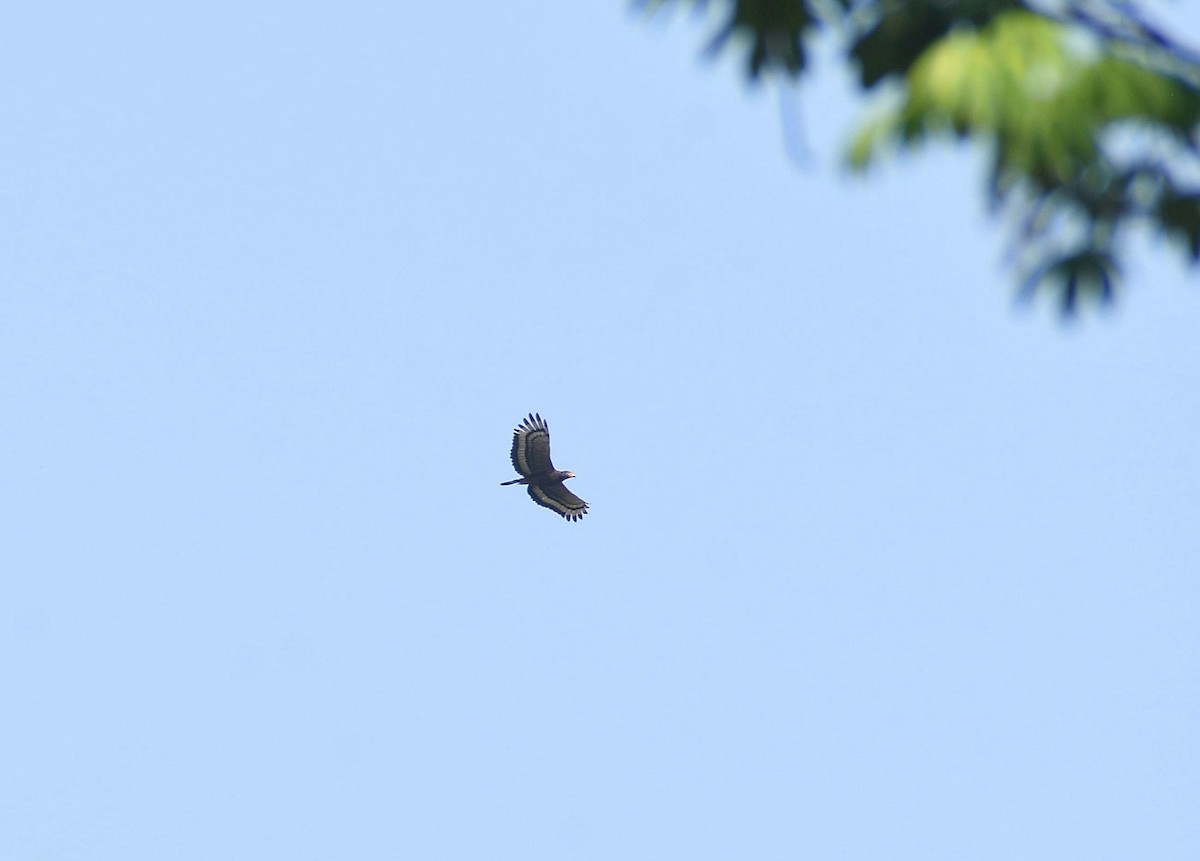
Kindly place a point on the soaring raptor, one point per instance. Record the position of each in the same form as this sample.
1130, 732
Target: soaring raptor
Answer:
531, 458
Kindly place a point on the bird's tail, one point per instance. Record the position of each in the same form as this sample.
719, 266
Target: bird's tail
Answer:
514, 481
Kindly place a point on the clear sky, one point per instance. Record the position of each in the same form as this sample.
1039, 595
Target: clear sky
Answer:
880, 564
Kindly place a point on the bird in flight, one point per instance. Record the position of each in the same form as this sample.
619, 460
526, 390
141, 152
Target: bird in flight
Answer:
531, 458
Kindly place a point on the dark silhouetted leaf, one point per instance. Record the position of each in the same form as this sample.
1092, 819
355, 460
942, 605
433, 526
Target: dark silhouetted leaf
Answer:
1180, 216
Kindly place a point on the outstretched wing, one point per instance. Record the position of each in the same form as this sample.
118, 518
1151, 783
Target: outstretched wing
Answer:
555, 496
531, 447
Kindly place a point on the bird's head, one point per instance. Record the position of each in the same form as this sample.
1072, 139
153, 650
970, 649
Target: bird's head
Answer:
568, 474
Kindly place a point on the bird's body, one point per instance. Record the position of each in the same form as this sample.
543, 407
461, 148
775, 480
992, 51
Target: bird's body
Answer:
531, 458
557, 475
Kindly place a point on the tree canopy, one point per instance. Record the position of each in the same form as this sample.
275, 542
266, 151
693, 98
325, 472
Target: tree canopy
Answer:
1092, 115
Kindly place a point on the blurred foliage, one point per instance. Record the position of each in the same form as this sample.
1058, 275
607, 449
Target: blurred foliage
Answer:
1091, 115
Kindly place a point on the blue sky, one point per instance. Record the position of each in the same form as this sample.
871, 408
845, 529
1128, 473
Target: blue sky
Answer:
880, 564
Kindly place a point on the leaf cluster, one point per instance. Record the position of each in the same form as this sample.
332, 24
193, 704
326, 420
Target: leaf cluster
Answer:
1091, 115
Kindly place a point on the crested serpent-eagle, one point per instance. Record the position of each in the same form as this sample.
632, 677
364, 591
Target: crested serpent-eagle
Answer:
531, 458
